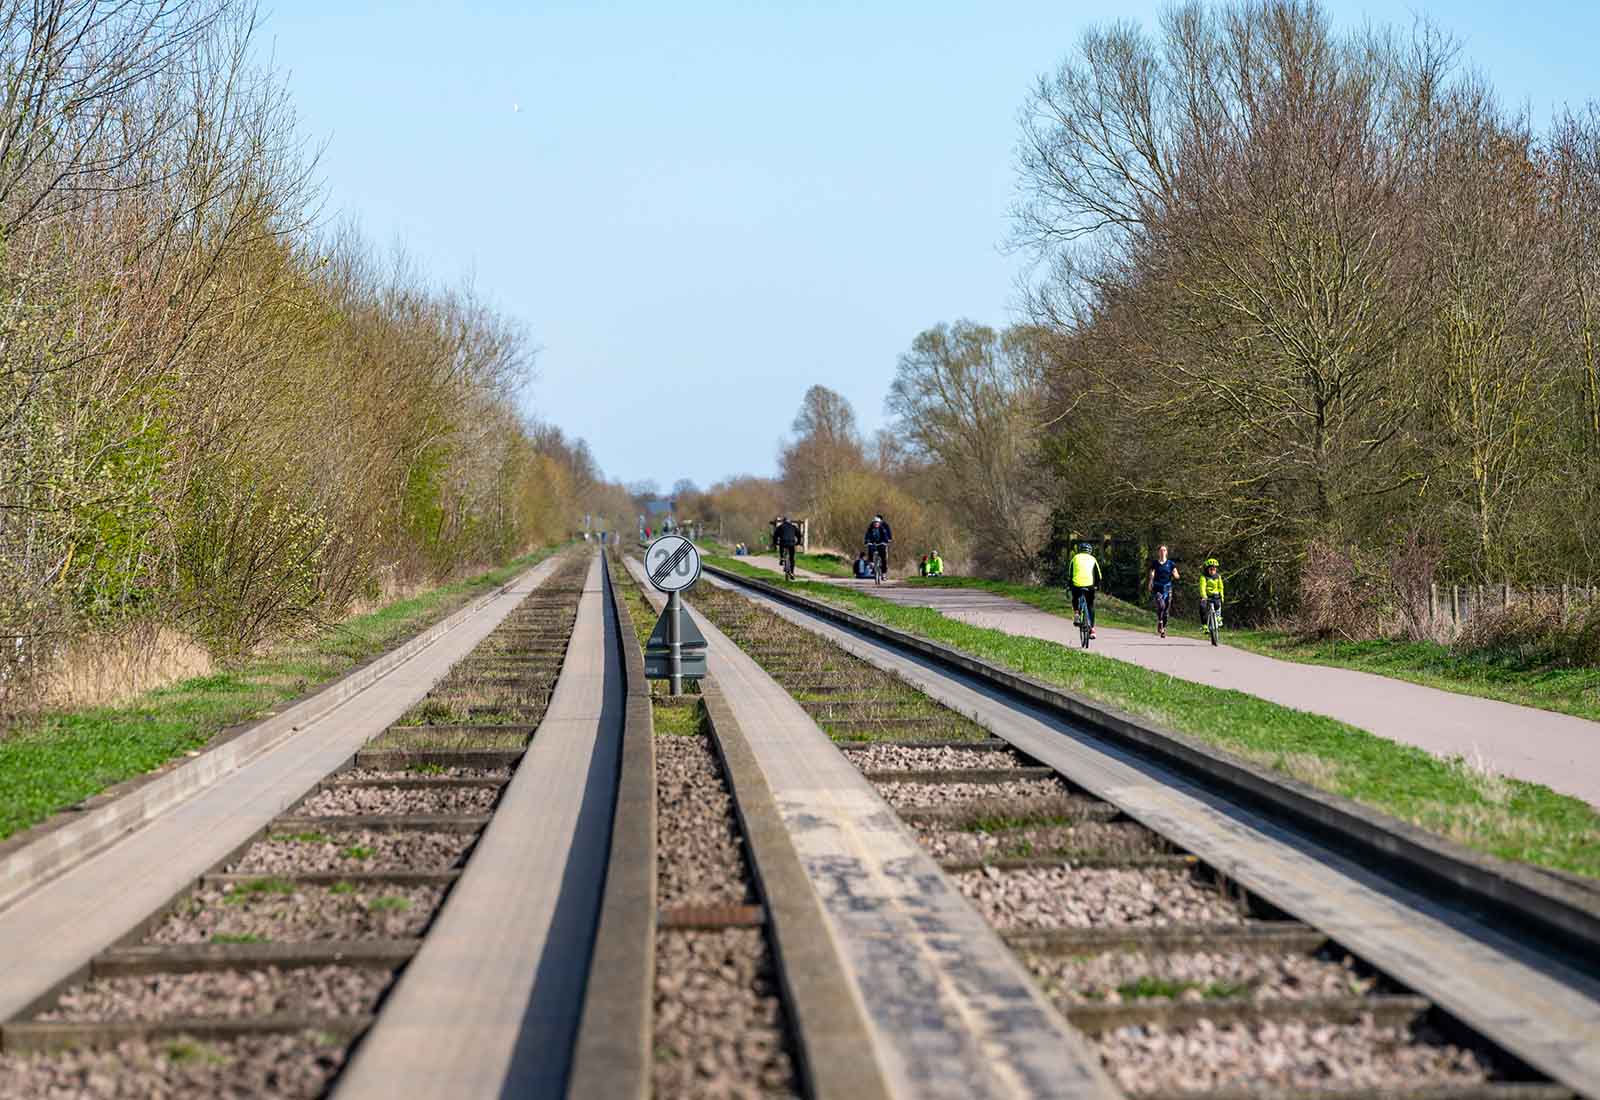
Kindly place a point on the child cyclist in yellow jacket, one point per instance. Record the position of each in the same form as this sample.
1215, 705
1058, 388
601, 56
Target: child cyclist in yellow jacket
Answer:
1211, 586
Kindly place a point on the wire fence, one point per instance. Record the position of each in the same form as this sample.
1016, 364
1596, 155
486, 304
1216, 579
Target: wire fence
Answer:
1450, 606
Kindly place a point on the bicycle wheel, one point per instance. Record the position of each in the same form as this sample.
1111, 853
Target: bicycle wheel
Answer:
1083, 621
1211, 622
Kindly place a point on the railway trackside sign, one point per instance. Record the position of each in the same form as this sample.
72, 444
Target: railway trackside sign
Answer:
672, 563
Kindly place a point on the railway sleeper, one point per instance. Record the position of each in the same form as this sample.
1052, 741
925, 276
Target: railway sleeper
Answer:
194, 958
39, 1036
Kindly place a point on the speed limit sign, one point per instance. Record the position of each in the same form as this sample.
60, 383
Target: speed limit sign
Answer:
672, 563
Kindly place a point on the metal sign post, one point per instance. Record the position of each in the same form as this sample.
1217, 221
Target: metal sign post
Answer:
675, 642
676, 649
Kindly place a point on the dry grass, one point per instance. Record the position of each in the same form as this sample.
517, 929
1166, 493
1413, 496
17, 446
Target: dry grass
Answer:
1308, 768
106, 669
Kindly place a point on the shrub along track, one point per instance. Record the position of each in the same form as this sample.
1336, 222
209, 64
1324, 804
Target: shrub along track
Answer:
1188, 983
719, 1023
258, 979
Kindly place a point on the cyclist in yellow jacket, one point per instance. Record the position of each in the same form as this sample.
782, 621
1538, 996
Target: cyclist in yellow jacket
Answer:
1211, 586
1084, 577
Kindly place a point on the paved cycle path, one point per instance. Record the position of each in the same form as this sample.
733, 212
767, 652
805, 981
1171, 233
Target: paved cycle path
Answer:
1558, 750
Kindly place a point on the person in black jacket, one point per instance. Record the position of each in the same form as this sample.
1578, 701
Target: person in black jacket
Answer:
878, 538
785, 537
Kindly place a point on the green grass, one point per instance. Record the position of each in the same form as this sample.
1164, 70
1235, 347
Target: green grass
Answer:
1507, 677
356, 851
342, 888
238, 937
62, 758
1504, 817
388, 902
672, 720
303, 838
185, 1051
255, 888
1150, 987
829, 565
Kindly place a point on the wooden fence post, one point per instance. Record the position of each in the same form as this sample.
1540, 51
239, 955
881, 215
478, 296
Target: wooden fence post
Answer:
1455, 605
1433, 602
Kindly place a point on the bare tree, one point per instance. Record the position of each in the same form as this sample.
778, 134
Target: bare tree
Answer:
971, 400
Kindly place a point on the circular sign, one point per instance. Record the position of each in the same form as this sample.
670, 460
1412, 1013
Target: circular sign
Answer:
672, 563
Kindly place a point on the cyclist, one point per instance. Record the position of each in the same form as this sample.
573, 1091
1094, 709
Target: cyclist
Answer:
1084, 575
877, 540
1162, 573
1211, 587
785, 537
935, 564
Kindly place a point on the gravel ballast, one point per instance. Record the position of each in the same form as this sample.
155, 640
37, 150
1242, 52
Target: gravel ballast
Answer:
1113, 977
889, 757
1283, 1055
370, 775
699, 860
932, 795
335, 801
321, 991
1070, 897
719, 1026
309, 913
352, 850
286, 1067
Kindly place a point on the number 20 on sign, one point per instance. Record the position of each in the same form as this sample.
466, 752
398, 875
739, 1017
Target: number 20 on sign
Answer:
672, 563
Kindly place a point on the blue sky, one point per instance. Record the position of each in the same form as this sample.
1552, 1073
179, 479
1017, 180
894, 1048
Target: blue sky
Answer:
702, 209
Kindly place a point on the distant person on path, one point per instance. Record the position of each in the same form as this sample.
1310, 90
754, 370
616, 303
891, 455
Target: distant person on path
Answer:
1162, 574
863, 567
878, 538
935, 564
1211, 586
1084, 574
922, 565
785, 537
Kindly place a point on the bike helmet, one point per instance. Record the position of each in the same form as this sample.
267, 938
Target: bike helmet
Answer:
1213, 563
1087, 548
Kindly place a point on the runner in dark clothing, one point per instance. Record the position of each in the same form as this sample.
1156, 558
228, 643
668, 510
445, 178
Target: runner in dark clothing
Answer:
1163, 571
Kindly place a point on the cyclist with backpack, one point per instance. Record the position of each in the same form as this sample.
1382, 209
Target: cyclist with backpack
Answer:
1162, 573
1083, 574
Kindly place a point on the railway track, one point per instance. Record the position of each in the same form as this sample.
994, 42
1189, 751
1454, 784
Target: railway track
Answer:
841, 871
259, 977
1186, 980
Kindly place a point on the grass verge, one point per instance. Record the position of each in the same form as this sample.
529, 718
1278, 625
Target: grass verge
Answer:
61, 758
1508, 818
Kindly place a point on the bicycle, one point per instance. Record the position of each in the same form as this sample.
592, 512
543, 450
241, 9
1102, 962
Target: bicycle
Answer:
878, 555
1084, 629
786, 558
1213, 618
